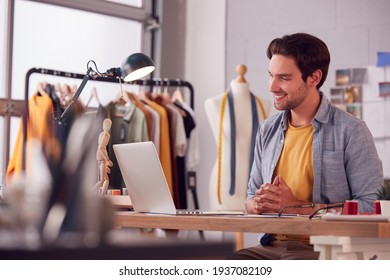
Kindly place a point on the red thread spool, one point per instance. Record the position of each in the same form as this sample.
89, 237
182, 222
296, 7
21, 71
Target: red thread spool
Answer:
377, 207
116, 192
351, 207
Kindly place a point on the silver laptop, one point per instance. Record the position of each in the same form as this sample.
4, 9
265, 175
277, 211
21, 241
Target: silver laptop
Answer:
146, 183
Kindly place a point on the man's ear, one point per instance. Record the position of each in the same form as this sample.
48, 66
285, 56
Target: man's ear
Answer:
315, 78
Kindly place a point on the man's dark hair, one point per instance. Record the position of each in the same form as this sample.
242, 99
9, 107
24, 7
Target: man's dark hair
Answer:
309, 53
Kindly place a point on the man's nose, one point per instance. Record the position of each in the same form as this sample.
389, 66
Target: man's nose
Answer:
273, 85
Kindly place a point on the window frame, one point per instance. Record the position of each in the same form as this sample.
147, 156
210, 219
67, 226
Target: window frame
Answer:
12, 107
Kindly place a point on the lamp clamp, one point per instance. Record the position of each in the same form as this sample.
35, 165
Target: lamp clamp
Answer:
115, 72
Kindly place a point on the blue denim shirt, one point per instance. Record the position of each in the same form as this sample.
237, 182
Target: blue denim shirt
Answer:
346, 163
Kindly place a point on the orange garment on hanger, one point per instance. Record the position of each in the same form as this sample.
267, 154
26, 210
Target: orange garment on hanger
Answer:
41, 126
165, 142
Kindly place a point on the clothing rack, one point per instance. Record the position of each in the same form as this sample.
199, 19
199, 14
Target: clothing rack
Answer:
149, 82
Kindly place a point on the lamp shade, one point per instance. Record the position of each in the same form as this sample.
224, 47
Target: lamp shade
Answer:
136, 66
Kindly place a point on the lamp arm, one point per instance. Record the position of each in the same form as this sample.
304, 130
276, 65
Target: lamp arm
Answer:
69, 108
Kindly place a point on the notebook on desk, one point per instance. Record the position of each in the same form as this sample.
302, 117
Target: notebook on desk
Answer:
146, 183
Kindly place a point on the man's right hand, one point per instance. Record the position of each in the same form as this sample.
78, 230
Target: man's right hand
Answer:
266, 200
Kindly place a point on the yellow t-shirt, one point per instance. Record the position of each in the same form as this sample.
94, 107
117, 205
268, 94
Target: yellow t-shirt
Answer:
296, 161
296, 166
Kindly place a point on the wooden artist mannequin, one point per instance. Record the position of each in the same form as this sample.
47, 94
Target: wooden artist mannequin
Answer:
222, 199
102, 158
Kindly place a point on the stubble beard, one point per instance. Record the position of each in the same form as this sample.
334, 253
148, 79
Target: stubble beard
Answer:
291, 100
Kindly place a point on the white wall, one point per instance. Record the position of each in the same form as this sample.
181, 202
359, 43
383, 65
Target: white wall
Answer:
205, 70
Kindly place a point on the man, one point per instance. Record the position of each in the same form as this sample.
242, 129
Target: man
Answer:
311, 152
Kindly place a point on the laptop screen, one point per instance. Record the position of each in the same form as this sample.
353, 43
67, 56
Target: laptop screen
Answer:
144, 178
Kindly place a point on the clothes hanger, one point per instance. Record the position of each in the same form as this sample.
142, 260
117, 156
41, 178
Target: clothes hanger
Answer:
165, 93
133, 97
157, 92
144, 95
58, 92
40, 89
169, 101
93, 95
66, 94
122, 98
177, 94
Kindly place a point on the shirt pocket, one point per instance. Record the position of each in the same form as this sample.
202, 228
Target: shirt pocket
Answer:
333, 172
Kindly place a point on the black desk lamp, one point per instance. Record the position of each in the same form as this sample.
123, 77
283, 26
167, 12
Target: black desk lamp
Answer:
135, 67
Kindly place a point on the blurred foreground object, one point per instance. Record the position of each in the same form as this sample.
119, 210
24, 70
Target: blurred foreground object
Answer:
54, 203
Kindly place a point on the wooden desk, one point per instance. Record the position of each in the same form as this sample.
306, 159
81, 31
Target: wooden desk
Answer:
254, 224
369, 231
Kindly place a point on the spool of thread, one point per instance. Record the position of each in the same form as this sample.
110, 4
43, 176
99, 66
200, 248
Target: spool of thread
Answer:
116, 192
377, 207
351, 207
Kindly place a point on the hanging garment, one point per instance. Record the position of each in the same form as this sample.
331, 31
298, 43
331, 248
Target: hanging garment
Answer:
142, 107
179, 145
154, 128
193, 152
41, 126
128, 126
192, 156
178, 133
165, 140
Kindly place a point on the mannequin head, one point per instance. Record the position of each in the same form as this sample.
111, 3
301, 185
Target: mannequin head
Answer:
241, 70
107, 124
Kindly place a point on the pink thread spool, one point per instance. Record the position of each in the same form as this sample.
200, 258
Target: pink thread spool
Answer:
351, 207
377, 207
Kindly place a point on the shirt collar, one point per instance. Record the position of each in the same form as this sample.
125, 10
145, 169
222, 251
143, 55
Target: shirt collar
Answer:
322, 114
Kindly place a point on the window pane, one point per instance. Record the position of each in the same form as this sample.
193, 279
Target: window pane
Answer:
66, 39
134, 3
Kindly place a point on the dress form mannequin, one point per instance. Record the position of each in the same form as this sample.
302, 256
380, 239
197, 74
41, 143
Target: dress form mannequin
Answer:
102, 158
222, 199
